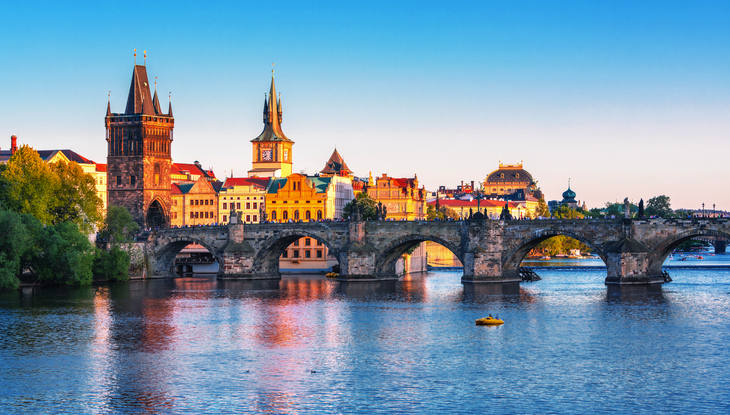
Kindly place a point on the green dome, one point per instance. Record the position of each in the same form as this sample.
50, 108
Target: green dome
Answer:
569, 195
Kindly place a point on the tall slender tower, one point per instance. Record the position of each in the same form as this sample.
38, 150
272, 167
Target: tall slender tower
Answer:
138, 161
272, 150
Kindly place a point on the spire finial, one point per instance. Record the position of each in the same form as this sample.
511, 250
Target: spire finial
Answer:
568, 182
135, 56
272, 69
145, 59
155, 84
110, 96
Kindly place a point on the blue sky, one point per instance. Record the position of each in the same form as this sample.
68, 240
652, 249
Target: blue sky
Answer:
628, 99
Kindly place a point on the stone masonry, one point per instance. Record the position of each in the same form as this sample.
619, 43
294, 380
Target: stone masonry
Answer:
491, 251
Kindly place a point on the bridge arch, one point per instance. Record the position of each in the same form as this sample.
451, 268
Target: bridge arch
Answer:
266, 259
388, 256
661, 252
169, 248
513, 257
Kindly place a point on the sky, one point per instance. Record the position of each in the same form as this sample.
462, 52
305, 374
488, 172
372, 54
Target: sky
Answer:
625, 99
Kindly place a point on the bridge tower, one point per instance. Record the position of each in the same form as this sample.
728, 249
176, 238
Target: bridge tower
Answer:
138, 157
272, 150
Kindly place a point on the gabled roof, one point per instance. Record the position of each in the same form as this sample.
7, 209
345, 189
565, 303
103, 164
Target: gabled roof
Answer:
139, 100
336, 165
100, 167
261, 182
319, 184
272, 118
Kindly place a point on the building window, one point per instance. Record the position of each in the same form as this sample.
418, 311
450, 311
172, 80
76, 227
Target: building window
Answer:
205, 202
255, 205
196, 202
192, 202
319, 253
307, 242
248, 218
206, 215
319, 215
296, 215
174, 202
295, 254
319, 243
285, 254
238, 206
211, 202
119, 180
308, 214
285, 215
225, 205
307, 254
296, 243
225, 218
273, 215
133, 180
248, 205
255, 218
192, 215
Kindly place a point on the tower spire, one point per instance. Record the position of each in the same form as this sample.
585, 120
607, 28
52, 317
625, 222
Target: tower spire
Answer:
169, 110
109, 105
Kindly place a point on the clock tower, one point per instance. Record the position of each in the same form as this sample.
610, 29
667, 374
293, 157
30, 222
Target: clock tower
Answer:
272, 150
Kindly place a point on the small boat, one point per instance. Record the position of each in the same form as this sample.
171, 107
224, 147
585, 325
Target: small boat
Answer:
545, 258
489, 321
331, 275
700, 257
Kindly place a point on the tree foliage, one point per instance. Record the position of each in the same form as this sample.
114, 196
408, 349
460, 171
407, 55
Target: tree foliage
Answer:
558, 245
119, 226
366, 203
443, 213
15, 242
30, 185
56, 193
66, 255
659, 206
75, 197
112, 264
542, 208
565, 212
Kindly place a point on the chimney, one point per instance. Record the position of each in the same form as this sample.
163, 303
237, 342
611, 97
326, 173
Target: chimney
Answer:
13, 144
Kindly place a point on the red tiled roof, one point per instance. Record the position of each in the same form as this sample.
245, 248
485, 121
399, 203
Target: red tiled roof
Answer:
247, 181
101, 167
453, 203
175, 190
178, 168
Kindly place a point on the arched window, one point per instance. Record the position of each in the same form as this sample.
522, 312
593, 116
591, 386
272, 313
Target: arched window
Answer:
285, 215
273, 215
296, 215
319, 215
157, 174
308, 215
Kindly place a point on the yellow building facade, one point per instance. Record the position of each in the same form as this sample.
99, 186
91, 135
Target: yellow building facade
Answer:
401, 196
193, 204
245, 195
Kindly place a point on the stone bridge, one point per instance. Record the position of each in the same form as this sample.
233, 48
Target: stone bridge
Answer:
490, 250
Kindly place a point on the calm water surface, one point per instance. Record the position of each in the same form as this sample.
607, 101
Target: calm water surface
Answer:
570, 344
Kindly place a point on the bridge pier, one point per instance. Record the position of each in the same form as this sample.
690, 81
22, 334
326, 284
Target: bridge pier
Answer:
627, 263
720, 246
481, 266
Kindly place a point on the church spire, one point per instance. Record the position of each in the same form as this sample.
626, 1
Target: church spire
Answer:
109, 105
139, 100
272, 117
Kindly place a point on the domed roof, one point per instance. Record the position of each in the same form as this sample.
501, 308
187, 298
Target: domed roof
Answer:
509, 173
569, 194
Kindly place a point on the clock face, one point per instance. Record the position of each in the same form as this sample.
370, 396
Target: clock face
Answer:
266, 155
286, 155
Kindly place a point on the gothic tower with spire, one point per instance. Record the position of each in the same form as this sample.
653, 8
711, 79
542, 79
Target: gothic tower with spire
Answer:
272, 150
138, 161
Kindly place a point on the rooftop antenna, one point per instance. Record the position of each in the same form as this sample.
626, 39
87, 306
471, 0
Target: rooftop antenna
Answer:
145, 59
135, 56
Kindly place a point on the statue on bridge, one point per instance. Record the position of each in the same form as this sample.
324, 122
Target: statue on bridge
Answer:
505, 215
627, 208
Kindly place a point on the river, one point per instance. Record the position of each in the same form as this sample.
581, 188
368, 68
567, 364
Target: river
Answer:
305, 344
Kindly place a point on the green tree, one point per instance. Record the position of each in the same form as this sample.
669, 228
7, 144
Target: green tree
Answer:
119, 226
366, 203
67, 255
15, 242
565, 212
29, 185
659, 206
542, 208
112, 264
444, 212
75, 197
